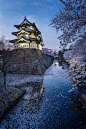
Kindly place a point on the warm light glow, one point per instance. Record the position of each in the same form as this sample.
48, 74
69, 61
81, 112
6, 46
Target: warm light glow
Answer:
26, 41
74, 80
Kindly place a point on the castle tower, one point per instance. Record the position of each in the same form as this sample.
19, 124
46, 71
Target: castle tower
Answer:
28, 36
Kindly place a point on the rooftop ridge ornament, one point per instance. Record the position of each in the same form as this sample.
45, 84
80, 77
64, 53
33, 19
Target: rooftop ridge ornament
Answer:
25, 18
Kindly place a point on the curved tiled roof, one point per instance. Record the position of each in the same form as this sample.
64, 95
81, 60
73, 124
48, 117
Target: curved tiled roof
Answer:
22, 25
15, 33
28, 39
13, 41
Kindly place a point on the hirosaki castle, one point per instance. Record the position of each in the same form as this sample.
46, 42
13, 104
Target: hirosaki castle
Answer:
28, 36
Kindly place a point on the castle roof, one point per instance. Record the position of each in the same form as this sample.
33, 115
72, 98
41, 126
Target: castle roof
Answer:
25, 19
22, 25
26, 30
25, 25
26, 39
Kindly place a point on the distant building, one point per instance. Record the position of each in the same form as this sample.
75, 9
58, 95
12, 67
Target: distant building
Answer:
48, 51
28, 36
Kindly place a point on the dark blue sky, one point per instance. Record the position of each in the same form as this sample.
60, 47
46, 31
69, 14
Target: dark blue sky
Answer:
12, 12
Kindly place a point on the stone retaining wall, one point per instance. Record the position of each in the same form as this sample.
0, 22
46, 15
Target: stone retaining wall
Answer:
29, 61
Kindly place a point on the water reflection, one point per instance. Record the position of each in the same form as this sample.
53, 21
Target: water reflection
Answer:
77, 105
63, 64
75, 94
34, 98
32, 101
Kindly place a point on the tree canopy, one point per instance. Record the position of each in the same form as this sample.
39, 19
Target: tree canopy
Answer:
71, 21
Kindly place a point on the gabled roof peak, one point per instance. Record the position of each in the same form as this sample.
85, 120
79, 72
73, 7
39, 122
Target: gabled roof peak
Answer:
25, 21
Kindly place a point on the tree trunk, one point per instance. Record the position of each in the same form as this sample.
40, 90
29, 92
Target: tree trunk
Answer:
5, 78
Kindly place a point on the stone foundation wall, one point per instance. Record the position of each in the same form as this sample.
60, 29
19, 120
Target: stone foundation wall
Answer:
29, 61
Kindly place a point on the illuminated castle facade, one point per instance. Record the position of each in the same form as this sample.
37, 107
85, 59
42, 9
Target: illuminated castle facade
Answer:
28, 36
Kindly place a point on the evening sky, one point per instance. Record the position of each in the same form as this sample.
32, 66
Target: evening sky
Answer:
12, 12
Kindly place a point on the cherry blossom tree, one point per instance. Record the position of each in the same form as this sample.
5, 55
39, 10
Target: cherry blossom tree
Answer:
76, 57
71, 21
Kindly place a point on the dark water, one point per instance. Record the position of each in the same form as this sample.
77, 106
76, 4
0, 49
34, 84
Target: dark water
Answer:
48, 104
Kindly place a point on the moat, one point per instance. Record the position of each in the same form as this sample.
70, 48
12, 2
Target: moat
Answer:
50, 102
